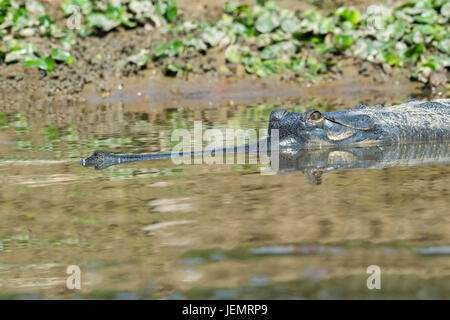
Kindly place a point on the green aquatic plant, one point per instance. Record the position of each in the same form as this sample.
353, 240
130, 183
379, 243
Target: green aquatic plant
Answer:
262, 37
107, 15
21, 19
268, 40
30, 56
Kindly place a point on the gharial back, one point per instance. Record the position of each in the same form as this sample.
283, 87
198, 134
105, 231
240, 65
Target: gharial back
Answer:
412, 121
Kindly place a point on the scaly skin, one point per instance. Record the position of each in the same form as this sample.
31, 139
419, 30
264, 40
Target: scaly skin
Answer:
410, 122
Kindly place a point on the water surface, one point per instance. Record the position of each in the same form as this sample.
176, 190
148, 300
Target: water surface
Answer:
159, 230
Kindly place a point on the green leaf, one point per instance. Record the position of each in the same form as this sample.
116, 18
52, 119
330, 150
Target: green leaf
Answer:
170, 49
44, 63
45, 21
415, 51
35, 8
342, 41
445, 10
172, 11
61, 55
213, 36
20, 53
391, 59
322, 48
267, 22
172, 69
101, 21
428, 16
325, 26
141, 58
444, 45
233, 53
429, 64
279, 50
348, 15
291, 25
230, 7
297, 64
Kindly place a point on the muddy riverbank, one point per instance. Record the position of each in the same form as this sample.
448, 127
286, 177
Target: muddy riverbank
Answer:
95, 78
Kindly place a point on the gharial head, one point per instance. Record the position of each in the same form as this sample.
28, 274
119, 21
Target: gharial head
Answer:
313, 129
99, 160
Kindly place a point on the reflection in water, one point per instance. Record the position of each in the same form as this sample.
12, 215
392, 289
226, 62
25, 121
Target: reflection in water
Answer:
158, 230
314, 163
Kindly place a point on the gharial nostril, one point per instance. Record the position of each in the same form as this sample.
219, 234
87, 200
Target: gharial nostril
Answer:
278, 114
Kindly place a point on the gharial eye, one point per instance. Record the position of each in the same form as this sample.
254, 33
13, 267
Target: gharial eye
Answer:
315, 116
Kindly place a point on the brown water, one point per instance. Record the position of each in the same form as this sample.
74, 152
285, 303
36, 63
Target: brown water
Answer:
159, 230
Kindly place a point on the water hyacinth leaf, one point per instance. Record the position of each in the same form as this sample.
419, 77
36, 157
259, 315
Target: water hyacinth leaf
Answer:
101, 21
44, 63
314, 65
238, 28
61, 55
280, 35
251, 62
342, 41
267, 22
269, 67
233, 54
444, 45
170, 49
141, 58
172, 11
286, 14
415, 51
445, 10
429, 64
297, 64
20, 53
322, 48
308, 37
272, 5
428, 16
45, 21
196, 43
291, 25
263, 40
391, 58
250, 32
325, 26
423, 4
346, 14
213, 36
68, 41
83, 6
20, 18
230, 7
279, 50
14, 56
35, 8
172, 69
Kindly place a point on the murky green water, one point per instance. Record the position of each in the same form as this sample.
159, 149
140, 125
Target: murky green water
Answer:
159, 230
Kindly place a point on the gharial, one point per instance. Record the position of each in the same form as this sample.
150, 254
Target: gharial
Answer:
364, 126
